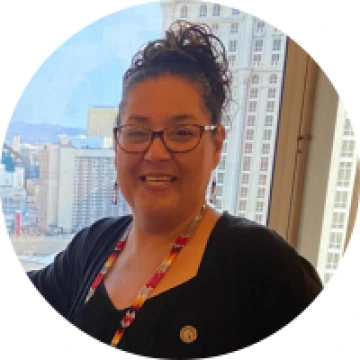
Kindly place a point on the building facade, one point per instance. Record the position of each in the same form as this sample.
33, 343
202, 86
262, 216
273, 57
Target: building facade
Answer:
335, 226
76, 188
256, 54
101, 121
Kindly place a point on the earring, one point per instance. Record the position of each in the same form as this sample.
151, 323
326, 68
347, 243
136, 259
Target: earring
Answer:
213, 192
115, 197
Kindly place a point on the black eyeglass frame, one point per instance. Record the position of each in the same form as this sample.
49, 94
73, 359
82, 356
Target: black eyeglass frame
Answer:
160, 134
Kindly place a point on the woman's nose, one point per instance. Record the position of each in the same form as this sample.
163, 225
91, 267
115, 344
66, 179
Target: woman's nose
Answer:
157, 150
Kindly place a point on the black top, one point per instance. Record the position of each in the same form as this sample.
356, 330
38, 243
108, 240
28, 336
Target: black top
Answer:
249, 285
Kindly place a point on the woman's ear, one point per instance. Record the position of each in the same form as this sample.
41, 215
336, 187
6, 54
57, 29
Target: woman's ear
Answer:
218, 143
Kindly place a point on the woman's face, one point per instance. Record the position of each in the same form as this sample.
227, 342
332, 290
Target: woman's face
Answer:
180, 178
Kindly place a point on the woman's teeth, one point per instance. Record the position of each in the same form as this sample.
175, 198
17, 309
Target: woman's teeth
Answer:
157, 179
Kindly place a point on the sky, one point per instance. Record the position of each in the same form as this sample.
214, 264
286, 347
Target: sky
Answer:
87, 69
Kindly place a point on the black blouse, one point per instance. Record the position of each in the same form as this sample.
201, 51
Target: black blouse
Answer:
250, 284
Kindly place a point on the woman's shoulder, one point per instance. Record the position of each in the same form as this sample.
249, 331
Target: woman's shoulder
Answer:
102, 232
261, 251
245, 234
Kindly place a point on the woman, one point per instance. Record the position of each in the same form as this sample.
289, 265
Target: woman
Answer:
176, 279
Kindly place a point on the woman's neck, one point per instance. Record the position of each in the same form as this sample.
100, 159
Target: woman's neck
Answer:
148, 233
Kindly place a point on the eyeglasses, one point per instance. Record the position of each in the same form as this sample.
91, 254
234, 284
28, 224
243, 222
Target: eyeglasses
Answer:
136, 139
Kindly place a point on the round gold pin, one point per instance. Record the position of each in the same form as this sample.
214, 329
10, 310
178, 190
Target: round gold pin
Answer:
188, 334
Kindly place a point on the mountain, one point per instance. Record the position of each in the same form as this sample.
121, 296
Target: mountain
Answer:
40, 133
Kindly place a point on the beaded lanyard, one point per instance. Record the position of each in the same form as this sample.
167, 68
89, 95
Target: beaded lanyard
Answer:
146, 290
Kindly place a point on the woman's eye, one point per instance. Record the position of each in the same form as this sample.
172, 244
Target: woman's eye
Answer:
136, 133
181, 132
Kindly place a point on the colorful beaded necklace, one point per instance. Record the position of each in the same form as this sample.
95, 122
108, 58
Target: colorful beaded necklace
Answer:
146, 290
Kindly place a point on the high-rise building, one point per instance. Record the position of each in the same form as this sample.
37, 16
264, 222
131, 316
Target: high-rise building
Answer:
76, 188
256, 54
339, 196
16, 142
101, 121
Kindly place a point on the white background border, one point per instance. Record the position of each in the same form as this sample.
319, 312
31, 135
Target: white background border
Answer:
31, 30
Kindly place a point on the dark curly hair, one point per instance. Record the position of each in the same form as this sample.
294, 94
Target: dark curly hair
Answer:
189, 51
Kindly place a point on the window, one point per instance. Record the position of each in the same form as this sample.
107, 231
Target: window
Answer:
247, 163
341, 199
348, 148
273, 79
275, 58
225, 145
267, 135
264, 163
232, 60
216, 10
259, 206
258, 45
257, 58
255, 79
348, 130
203, 11
332, 261
249, 134
251, 120
232, 46
269, 120
336, 239
271, 93
235, 12
260, 26
243, 192
276, 45
245, 178
265, 149
261, 192
259, 218
248, 148
270, 106
252, 106
338, 220
262, 179
220, 178
183, 11
344, 174
242, 205
254, 93
234, 28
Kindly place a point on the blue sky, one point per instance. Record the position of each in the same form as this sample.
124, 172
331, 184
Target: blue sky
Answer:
87, 69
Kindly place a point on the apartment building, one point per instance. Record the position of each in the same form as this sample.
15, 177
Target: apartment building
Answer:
256, 58
76, 187
256, 54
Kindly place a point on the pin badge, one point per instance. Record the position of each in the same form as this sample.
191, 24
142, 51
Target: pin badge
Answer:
188, 334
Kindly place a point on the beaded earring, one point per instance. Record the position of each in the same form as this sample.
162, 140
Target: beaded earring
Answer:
115, 197
213, 192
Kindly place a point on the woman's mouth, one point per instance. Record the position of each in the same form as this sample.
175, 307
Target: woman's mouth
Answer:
157, 179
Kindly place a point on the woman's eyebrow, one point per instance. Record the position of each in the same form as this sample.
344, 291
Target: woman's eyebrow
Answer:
181, 117
172, 119
138, 118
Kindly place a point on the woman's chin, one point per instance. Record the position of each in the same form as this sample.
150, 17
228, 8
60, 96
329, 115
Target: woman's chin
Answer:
157, 208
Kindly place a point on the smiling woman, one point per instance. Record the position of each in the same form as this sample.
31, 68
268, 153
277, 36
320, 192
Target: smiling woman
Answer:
160, 103
176, 279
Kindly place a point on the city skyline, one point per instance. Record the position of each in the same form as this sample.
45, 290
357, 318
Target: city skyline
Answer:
255, 53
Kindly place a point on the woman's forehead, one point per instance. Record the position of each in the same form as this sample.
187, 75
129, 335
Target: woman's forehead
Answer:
168, 98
